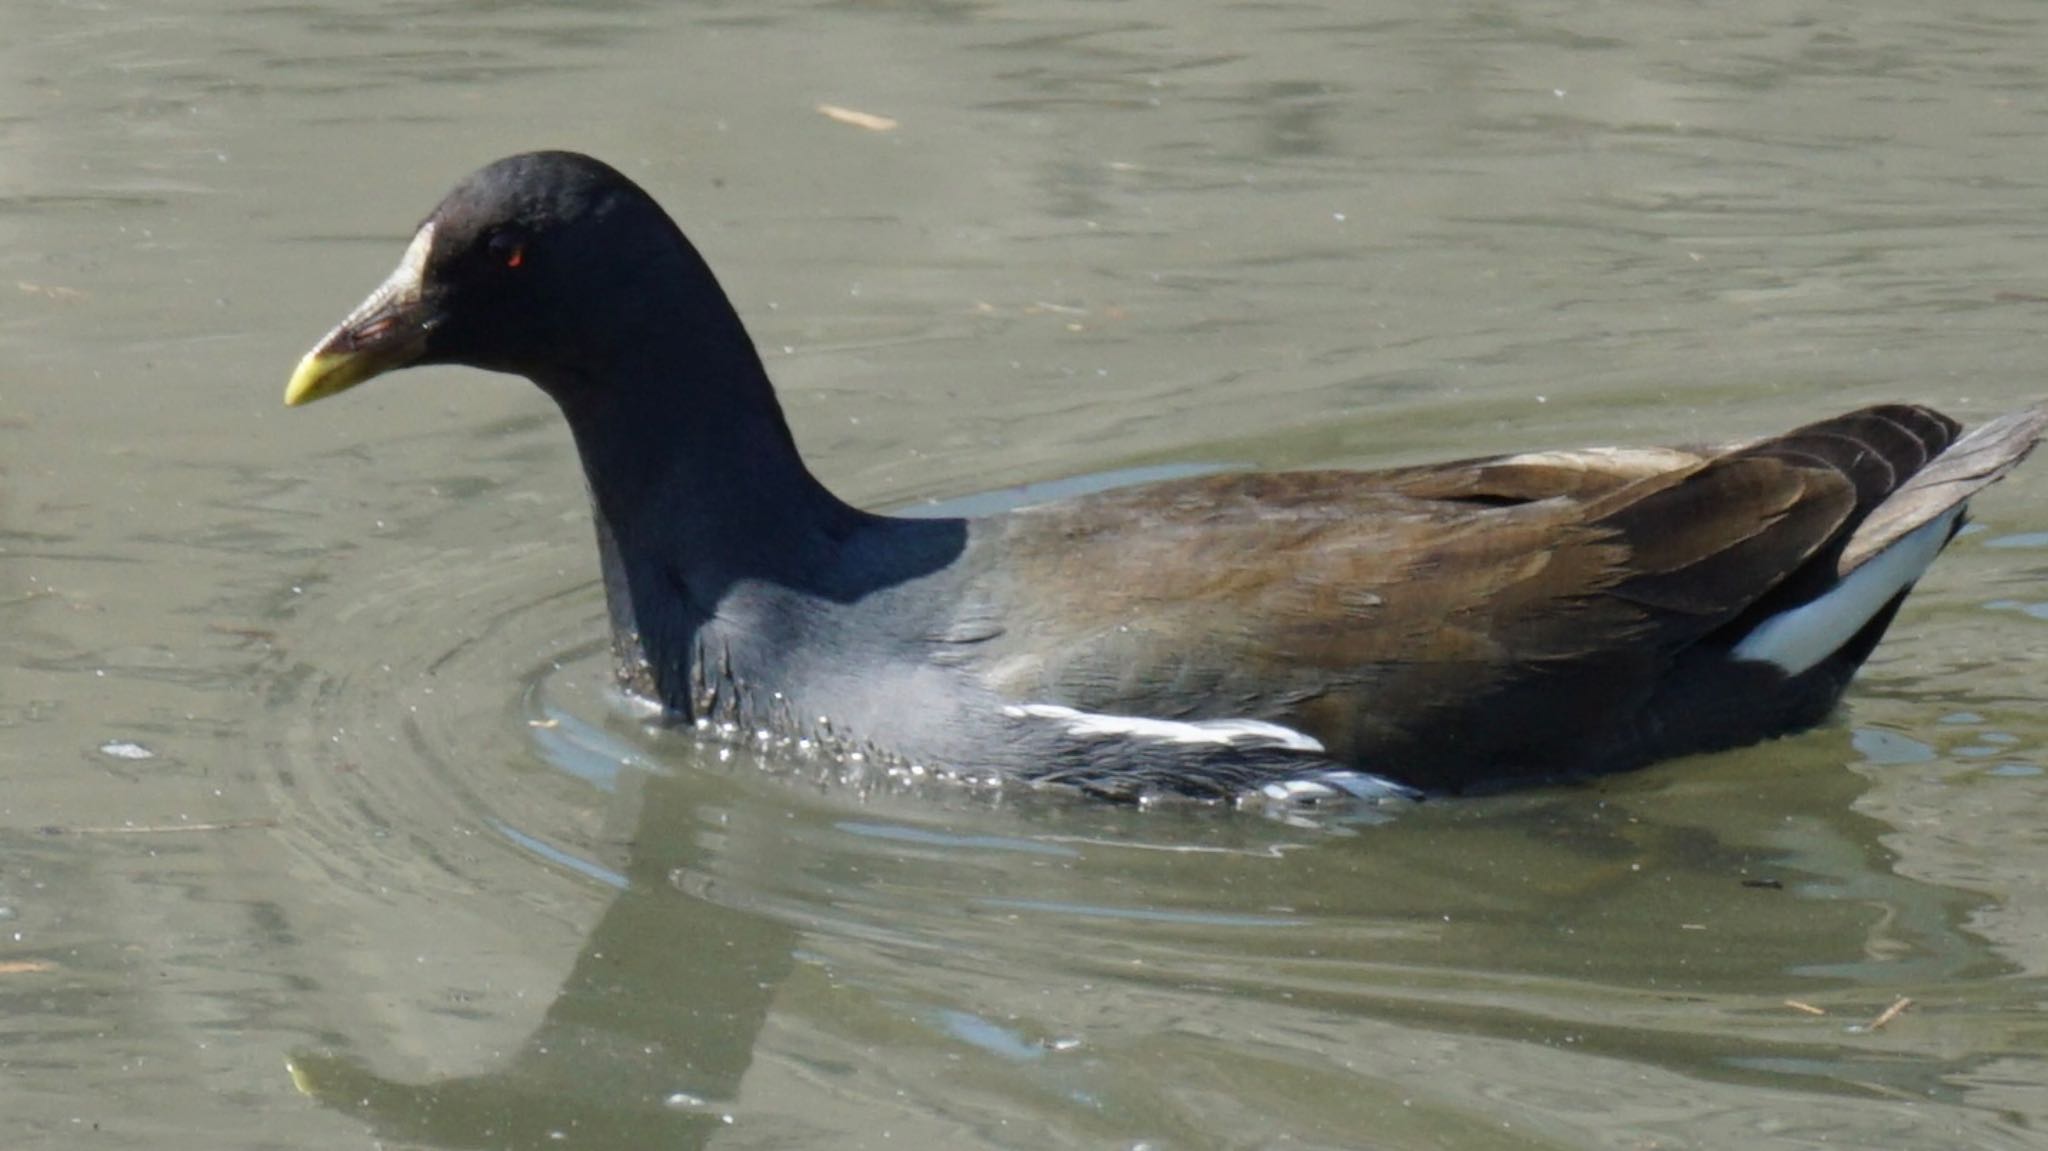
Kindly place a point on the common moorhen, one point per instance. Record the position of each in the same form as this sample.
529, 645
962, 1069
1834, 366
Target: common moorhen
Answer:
1297, 634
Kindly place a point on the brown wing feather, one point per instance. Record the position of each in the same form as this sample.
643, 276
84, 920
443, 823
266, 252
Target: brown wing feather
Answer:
1346, 602
1967, 466
1531, 476
1481, 619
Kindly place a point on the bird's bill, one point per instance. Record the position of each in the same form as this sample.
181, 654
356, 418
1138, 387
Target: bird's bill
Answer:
386, 332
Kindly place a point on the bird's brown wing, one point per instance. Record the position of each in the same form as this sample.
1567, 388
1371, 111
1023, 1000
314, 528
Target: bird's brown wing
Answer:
1535, 594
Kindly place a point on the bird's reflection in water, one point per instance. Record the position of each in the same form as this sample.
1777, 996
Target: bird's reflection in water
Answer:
646, 1042
1520, 915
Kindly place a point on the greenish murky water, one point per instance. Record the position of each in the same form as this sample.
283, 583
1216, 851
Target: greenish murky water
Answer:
317, 828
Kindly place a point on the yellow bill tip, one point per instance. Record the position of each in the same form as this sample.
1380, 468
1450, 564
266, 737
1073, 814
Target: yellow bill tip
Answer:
316, 376
386, 331
336, 366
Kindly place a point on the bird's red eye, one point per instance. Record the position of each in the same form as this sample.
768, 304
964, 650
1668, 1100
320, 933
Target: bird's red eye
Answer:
507, 247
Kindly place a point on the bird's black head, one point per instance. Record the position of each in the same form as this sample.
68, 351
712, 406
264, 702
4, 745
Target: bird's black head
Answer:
540, 264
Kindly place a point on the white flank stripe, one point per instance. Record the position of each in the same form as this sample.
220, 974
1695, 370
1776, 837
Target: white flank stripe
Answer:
1796, 640
1168, 730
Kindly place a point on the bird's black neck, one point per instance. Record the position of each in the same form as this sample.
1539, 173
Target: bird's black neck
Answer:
696, 452
704, 508
718, 545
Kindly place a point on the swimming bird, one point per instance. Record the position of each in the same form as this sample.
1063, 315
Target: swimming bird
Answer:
1298, 635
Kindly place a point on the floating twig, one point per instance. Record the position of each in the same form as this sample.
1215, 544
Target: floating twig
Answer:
858, 119
51, 291
1890, 1013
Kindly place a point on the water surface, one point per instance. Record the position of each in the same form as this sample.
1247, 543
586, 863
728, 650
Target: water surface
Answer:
306, 753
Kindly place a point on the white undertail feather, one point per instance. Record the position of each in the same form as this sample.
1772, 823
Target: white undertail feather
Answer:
1798, 639
1895, 543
